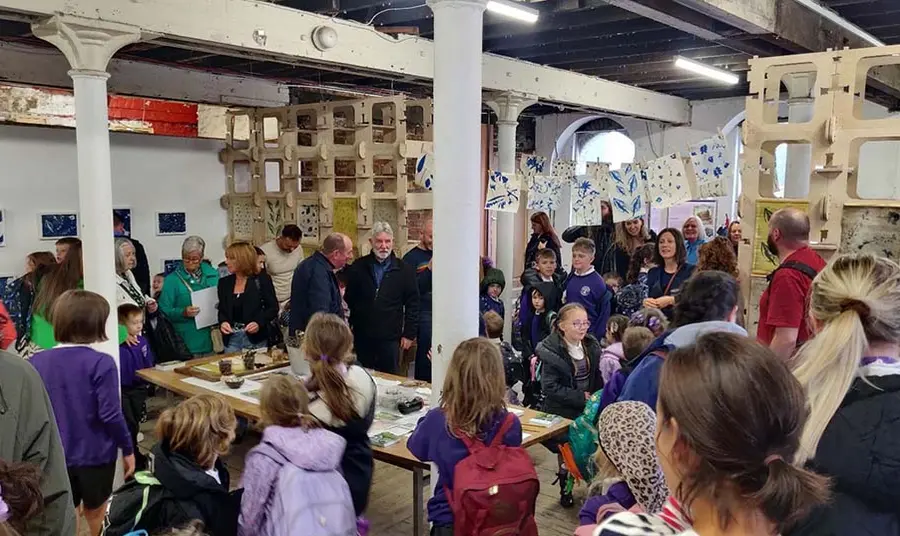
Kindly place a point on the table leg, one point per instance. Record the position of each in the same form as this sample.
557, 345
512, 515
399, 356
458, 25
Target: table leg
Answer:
418, 500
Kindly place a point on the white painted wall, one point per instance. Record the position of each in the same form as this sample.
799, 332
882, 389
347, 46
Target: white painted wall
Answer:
150, 174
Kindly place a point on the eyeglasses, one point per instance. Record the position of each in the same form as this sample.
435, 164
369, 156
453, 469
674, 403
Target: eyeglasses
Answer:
578, 324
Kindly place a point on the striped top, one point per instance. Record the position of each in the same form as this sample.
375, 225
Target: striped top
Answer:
671, 521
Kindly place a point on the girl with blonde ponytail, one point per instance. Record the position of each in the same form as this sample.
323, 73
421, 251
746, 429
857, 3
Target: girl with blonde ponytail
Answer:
342, 398
851, 373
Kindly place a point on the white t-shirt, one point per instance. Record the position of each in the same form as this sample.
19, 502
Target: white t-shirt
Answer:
280, 266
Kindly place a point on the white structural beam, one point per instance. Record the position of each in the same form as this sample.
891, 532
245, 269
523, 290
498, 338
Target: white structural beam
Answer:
283, 34
508, 106
43, 67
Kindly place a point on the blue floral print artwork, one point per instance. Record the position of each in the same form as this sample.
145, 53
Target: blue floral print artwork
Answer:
544, 193
425, 171
502, 192
531, 165
667, 182
58, 225
627, 193
171, 223
587, 192
709, 159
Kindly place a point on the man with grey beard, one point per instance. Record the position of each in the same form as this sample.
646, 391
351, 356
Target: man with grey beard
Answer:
383, 297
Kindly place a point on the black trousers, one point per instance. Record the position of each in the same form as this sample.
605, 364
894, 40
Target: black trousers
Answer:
423, 346
441, 531
134, 407
378, 354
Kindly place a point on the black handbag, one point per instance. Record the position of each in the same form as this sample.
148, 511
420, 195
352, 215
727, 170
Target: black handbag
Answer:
166, 343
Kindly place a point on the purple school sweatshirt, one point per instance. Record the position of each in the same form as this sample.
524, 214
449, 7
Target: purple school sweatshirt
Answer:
83, 385
133, 359
589, 290
432, 442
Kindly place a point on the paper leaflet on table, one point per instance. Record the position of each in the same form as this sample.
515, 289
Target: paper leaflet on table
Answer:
503, 192
587, 192
667, 181
627, 193
709, 158
208, 302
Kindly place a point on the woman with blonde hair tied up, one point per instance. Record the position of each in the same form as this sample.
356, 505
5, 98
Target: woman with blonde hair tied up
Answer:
851, 372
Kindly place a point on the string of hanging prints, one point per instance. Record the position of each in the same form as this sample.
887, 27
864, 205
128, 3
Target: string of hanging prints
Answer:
663, 182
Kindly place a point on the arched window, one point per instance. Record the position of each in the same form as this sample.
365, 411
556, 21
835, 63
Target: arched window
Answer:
602, 140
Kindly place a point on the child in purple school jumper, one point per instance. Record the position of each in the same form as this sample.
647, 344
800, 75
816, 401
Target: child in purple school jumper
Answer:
83, 387
585, 286
134, 355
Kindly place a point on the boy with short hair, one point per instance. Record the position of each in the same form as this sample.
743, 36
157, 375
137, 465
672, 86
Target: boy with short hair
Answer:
132, 359
614, 283
635, 341
585, 286
512, 360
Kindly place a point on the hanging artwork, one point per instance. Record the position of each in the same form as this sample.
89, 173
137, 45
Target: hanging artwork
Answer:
308, 220
58, 225
345, 210
274, 217
171, 223
626, 193
667, 182
425, 171
587, 193
532, 165
544, 193
502, 192
170, 265
764, 261
564, 170
709, 159
241, 213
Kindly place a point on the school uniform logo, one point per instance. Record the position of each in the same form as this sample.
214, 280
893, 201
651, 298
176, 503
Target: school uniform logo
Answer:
585, 290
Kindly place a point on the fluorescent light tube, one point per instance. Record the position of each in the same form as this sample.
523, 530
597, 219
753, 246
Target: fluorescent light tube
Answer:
719, 75
834, 17
513, 10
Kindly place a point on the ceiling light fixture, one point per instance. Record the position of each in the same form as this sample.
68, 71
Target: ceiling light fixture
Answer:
719, 75
513, 10
841, 21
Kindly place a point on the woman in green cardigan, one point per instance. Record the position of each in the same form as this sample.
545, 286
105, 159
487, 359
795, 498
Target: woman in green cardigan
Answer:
175, 301
50, 285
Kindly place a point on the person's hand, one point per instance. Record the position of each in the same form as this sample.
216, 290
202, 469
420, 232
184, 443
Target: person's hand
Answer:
226, 328
191, 311
128, 465
252, 328
650, 302
152, 306
131, 340
405, 343
665, 301
587, 396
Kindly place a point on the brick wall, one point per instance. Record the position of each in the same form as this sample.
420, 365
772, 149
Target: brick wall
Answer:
417, 219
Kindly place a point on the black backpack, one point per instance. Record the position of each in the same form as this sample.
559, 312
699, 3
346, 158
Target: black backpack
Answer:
138, 503
804, 269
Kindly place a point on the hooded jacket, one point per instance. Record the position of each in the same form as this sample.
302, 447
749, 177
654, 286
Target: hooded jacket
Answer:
860, 451
561, 394
642, 384
315, 449
196, 494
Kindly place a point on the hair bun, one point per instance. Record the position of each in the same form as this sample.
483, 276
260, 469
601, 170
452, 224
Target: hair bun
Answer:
858, 306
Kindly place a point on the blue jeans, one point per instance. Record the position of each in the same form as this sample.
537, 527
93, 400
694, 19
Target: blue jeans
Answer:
239, 340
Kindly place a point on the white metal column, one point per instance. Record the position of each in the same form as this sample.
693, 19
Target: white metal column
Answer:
88, 46
508, 106
799, 156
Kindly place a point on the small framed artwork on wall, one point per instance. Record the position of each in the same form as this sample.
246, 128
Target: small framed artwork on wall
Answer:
2, 228
56, 225
171, 223
124, 214
170, 265
4, 280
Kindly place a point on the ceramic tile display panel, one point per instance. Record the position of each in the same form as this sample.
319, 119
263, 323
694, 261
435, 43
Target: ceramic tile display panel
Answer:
531, 165
871, 230
626, 193
345, 217
242, 219
763, 260
386, 210
502, 192
274, 217
58, 225
171, 223
709, 159
308, 220
425, 171
544, 193
667, 182
587, 192
564, 170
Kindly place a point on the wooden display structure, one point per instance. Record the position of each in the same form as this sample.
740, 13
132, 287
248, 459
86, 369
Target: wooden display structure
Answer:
341, 166
841, 221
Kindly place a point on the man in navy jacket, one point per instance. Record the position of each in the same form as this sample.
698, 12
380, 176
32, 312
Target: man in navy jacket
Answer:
314, 288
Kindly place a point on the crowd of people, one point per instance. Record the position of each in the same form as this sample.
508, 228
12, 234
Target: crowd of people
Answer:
682, 423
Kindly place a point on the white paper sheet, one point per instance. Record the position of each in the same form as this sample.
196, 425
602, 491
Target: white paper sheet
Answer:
208, 302
245, 392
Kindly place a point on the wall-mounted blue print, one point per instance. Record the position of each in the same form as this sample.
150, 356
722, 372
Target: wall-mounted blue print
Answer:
170, 265
2, 229
56, 225
171, 223
5, 280
125, 215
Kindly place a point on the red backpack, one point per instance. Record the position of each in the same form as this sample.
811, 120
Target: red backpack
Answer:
495, 489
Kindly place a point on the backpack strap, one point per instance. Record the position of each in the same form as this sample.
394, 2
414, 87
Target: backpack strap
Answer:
504, 427
473, 444
803, 268
147, 480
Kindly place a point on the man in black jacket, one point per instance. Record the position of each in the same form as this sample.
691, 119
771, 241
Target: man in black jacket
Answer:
314, 288
383, 298
142, 270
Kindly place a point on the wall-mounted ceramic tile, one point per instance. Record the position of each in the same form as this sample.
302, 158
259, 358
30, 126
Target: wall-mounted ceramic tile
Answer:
241, 219
274, 217
345, 217
871, 230
171, 223
308, 220
56, 225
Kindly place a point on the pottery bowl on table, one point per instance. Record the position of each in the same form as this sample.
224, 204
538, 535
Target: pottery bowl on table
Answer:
233, 382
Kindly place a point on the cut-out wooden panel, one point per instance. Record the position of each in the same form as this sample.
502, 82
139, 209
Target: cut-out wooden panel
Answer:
241, 218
